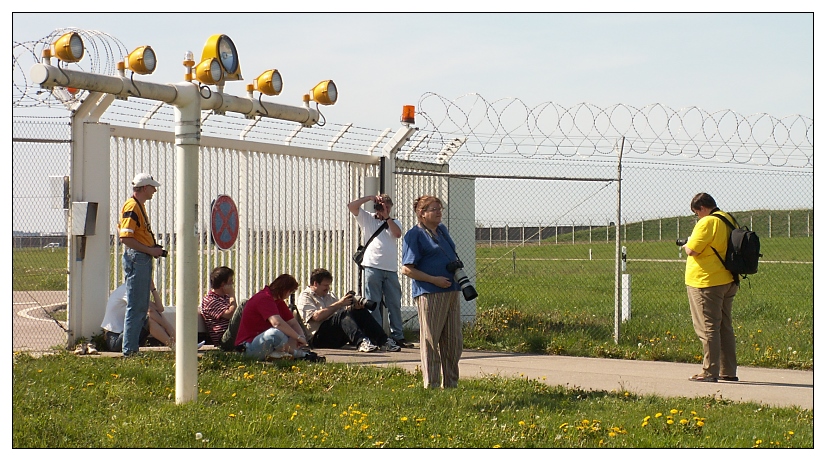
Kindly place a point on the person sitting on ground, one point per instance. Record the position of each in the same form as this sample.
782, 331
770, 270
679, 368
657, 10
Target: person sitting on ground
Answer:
219, 303
334, 322
268, 328
155, 324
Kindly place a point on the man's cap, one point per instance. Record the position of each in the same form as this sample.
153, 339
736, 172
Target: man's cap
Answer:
144, 179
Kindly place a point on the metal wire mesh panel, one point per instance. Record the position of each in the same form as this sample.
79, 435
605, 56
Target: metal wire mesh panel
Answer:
41, 152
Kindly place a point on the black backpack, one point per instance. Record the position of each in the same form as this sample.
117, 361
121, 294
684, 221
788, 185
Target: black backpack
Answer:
743, 250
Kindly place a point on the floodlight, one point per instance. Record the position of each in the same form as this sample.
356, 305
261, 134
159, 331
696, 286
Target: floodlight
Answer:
69, 47
209, 72
269, 82
221, 47
325, 93
142, 60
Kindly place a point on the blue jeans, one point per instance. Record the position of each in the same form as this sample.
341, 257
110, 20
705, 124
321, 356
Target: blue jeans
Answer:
138, 269
263, 344
378, 283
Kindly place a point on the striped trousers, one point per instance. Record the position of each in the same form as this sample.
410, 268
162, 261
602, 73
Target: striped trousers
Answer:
440, 342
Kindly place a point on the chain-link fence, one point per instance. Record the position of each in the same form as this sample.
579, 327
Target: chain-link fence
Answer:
547, 214
41, 151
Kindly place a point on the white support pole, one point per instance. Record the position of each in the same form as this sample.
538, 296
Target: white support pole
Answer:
626, 297
187, 143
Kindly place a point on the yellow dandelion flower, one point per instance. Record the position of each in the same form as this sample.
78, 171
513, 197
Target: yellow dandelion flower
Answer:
207, 392
658, 415
521, 423
674, 412
700, 424
233, 394
791, 432
670, 421
585, 422
563, 425
646, 418
683, 421
693, 412
612, 434
497, 446
110, 436
644, 423
403, 418
232, 415
90, 384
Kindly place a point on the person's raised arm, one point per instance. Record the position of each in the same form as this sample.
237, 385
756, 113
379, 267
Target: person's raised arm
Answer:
357, 203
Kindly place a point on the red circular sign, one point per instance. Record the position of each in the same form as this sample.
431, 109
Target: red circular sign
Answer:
224, 224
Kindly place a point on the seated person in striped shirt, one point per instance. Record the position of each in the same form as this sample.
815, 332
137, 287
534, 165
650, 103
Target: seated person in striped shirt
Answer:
219, 303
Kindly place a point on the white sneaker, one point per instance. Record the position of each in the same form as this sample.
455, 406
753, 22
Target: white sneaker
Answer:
367, 346
391, 346
279, 355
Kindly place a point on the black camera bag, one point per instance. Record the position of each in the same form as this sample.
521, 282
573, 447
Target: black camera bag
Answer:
358, 256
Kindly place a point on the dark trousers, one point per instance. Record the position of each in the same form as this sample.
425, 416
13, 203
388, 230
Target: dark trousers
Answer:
348, 326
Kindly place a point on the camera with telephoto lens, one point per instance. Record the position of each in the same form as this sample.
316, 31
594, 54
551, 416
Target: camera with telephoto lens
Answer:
681, 242
455, 267
362, 302
163, 255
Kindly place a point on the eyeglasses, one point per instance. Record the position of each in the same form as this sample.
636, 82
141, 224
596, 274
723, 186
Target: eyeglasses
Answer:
441, 208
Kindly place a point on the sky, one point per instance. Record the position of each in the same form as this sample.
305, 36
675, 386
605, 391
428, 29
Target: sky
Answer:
747, 63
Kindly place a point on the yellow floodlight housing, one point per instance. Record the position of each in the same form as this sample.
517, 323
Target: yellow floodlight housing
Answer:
142, 60
69, 47
209, 72
325, 93
221, 47
269, 82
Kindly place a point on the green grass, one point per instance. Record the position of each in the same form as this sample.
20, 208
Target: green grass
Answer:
558, 298
552, 299
39, 269
66, 401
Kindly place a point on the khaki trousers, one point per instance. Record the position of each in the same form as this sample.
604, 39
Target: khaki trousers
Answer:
440, 342
711, 315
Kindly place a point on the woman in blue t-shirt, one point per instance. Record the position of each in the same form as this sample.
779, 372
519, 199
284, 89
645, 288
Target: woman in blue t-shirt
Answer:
427, 249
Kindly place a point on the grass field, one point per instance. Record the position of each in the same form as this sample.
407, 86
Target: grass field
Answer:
559, 298
553, 299
66, 401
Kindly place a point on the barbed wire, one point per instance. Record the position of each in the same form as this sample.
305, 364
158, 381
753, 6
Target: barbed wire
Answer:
101, 55
510, 127
504, 128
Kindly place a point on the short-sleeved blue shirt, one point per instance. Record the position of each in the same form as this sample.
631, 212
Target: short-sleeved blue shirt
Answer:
429, 255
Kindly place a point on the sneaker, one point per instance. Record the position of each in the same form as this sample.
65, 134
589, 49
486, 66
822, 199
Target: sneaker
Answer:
703, 378
367, 346
391, 346
403, 343
278, 355
311, 356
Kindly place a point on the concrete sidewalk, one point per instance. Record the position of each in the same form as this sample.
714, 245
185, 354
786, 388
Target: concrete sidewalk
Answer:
772, 387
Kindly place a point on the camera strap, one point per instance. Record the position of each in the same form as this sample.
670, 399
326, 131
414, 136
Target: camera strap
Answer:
146, 220
433, 236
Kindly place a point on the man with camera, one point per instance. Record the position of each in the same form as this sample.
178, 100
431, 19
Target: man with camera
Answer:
711, 290
333, 322
381, 259
136, 234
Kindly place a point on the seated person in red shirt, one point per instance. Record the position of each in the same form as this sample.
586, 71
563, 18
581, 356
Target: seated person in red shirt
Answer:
219, 304
268, 328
